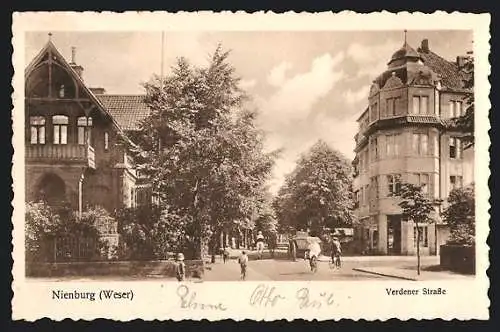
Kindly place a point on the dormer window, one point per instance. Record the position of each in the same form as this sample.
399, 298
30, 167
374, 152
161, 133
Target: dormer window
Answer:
60, 125
37, 125
84, 129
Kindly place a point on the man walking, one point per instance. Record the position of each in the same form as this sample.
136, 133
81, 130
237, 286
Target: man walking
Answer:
243, 261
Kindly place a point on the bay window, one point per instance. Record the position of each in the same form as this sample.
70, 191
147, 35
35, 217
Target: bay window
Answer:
394, 183
420, 144
420, 105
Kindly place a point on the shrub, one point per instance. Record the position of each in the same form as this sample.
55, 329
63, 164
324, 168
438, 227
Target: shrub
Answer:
147, 233
41, 225
56, 233
460, 216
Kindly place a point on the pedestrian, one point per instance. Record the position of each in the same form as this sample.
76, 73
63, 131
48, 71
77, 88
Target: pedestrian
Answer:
225, 255
272, 243
243, 261
180, 268
336, 252
293, 250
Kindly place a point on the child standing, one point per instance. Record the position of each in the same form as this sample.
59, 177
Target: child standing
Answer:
336, 252
243, 260
180, 268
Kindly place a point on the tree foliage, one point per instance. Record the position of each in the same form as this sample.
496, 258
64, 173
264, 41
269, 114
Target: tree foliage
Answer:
200, 149
417, 206
317, 193
460, 215
465, 123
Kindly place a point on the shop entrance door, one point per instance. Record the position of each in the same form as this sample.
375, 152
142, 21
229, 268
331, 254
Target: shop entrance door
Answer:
394, 235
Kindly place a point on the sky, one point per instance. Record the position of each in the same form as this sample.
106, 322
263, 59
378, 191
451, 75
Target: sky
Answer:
306, 85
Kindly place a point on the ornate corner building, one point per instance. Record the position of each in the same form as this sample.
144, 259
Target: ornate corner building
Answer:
76, 138
403, 137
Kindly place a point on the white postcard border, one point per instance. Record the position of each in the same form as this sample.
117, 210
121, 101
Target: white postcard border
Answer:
466, 299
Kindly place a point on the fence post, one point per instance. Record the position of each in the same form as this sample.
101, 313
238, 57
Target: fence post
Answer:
55, 249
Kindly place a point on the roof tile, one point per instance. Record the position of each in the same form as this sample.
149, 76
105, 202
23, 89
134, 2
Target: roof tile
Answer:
452, 77
128, 110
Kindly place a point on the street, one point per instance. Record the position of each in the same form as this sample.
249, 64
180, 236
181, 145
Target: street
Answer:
286, 270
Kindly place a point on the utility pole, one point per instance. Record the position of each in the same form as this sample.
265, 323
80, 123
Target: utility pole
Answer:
162, 56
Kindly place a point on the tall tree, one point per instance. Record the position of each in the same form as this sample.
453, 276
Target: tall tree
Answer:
317, 193
200, 149
418, 207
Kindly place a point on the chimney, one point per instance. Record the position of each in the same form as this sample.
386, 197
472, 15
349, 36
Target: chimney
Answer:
425, 46
461, 61
98, 91
77, 68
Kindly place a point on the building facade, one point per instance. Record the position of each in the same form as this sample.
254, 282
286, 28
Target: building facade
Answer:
76, 138
403, 137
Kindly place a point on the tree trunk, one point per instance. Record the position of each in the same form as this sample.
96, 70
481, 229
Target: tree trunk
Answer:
418, 249
198, 236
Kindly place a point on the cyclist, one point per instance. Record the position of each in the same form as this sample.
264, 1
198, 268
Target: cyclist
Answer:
260, 244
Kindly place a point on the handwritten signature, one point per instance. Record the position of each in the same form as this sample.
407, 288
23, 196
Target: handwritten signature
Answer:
266, 296
263, 296
188, 300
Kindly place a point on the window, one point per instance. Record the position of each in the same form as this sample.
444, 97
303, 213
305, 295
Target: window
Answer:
456, 181
422, 238
374, 187
420, 104
455, 109
37, 125
420, 144
436, 146
84, 128
422, 179
455, 148
392, 145
374, 112
391, 106
106, 141
60, 123
394, 183
62, 91
374, 149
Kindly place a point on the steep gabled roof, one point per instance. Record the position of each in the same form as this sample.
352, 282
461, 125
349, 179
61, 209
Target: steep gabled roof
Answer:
128, 110
51, 50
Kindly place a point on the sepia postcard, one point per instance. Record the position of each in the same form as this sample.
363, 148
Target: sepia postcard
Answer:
250, 166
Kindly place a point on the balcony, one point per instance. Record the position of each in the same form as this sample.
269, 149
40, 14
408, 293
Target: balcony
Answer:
61, 154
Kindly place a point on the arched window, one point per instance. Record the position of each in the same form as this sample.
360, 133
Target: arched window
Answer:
84, 129
60, 125
37, 125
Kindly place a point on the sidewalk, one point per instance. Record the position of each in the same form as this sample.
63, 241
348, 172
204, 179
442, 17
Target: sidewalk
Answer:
410, 272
